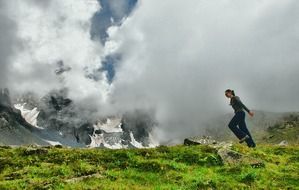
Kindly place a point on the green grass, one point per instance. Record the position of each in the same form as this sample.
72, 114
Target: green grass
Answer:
177, 167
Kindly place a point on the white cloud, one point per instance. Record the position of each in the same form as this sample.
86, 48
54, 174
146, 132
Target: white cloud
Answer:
53, 31
179, 57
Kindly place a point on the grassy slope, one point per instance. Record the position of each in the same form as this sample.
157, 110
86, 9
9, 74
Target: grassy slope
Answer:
287, 129
178, 167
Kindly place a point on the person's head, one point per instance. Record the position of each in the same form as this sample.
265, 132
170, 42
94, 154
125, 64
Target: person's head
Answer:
229, 93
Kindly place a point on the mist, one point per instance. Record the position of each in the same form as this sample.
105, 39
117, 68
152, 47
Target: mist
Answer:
180, 57
7, 31
177, 58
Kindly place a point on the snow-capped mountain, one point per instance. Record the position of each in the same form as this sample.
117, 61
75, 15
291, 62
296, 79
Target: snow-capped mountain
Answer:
55, 120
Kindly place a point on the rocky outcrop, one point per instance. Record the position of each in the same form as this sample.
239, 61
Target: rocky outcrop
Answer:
205, 140
230, 156
225, 151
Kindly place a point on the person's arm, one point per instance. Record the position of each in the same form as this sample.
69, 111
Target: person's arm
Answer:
241, 103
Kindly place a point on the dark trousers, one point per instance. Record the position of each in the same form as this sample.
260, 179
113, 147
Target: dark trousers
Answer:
241, 131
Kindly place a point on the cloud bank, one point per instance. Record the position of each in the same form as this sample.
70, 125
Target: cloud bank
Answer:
7, 41
179, 57
53, 48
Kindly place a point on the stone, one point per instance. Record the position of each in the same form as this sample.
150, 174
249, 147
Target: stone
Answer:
232, 157
229, 156
205, 140
35, 151
283, 143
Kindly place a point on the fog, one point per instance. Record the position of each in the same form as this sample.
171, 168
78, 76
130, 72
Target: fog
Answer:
177, 58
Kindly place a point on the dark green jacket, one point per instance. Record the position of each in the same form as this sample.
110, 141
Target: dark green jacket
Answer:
237, 104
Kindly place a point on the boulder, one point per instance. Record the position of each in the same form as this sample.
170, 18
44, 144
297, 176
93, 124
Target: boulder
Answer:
232, 157
283, 143
229, 156
205, 140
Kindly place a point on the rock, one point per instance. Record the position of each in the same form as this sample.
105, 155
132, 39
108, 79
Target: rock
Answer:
232, 157
83, 133
58, 146
205, 140
229, 156
225, 145
35, 151
189, 142
283, 143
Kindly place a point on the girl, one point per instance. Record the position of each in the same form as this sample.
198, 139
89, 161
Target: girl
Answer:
239, 119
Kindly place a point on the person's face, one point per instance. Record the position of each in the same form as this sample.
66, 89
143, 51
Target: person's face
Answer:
228, 94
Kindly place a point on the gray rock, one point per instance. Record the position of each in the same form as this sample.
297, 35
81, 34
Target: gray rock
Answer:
283, 143
232, 157
205, 140
229, 156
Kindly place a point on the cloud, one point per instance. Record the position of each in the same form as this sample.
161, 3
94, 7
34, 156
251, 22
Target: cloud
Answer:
179, 57
112, 13
7, 42
47, 35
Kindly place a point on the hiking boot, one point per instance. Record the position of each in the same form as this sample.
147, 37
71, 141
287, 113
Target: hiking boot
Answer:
244, 139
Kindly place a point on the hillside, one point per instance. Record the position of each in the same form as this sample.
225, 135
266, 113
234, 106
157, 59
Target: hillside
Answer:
14, 130
177, 167
286, 130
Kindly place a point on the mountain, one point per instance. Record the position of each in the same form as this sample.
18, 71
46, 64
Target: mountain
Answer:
14, 130
55, 119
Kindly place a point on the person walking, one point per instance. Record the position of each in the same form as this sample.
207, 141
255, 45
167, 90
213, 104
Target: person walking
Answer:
237, 124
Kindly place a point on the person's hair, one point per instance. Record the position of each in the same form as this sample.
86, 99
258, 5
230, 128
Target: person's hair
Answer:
231, 91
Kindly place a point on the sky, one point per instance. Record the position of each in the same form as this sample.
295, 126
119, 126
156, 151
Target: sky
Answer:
176, 58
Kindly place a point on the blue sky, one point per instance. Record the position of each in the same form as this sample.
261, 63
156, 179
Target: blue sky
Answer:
112, 13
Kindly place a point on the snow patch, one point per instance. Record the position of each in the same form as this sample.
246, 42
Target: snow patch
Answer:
29, 115
112, 125
53, 143
134, 142
98, 140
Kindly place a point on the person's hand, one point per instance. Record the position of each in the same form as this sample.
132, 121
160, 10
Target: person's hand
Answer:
251, 113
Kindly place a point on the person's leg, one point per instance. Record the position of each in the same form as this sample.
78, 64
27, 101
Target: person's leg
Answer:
243, 127
233, 126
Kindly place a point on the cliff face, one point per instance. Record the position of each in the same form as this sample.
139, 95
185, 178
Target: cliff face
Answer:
19, 125
14, 130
